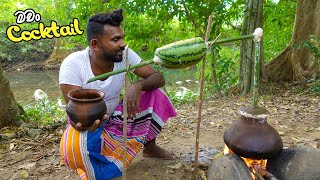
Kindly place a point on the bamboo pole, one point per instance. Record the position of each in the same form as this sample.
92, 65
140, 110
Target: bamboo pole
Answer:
125, 119
258, 33
256, 74
211, 43
221, 41
195, 169
106, 75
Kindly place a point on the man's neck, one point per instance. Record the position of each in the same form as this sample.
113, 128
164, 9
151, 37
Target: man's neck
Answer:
99, 65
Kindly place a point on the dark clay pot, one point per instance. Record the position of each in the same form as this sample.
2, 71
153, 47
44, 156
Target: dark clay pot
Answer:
86, 106
251, 136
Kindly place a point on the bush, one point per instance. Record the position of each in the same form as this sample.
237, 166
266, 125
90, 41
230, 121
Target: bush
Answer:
182, 97
44, 111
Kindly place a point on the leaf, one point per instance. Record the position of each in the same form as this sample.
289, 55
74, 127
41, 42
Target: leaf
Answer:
217, 155
24, 174
202, 174
27, 166
11, 146
176, 166
313, 144
188, 167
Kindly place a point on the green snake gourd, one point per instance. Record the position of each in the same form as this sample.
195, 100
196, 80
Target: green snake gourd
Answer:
181, 54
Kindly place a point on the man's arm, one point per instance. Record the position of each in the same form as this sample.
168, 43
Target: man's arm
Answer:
66, 88
151, 80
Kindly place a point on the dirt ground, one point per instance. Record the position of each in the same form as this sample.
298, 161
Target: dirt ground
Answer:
295, 116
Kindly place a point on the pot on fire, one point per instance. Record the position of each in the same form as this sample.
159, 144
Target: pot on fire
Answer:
251, 136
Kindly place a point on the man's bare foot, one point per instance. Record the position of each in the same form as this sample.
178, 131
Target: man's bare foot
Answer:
151, 149
158, 152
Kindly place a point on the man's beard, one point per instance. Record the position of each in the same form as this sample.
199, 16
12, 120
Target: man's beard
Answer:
112, 57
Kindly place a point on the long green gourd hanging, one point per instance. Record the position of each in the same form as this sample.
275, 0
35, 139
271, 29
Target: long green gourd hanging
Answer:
180, 54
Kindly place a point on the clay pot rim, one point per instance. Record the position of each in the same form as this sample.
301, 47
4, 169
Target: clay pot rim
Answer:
254, 112
101, 94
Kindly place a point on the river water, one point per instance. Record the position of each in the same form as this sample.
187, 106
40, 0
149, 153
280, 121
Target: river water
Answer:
24, 83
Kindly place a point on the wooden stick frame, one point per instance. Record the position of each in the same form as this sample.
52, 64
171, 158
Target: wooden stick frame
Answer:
195, 170
128, 68
125, 117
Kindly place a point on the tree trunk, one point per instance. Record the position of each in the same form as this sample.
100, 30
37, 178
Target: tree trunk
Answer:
9, 108
293, 63
253, 19
58, 54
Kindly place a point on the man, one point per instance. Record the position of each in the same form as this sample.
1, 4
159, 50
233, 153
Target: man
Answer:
96, 153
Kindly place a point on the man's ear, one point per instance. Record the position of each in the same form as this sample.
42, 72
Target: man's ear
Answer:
95, 44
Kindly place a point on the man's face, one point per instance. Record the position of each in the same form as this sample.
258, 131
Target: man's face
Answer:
112, 43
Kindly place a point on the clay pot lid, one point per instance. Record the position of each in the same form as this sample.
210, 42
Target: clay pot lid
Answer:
254, 112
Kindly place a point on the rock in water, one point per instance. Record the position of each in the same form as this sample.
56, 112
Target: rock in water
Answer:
39, 95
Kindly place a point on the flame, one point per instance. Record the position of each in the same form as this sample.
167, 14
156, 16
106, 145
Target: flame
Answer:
257, 167
226, 150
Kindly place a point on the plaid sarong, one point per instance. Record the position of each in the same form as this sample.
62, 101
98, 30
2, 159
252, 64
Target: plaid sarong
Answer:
98, 154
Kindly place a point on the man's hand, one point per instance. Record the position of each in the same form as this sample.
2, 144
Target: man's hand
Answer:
133, 99
97, 123
151, 80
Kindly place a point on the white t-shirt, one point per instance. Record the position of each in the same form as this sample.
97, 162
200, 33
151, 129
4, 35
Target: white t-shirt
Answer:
76, 70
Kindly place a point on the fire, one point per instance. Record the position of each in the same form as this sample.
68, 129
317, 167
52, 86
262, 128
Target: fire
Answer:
226, 150
257, 167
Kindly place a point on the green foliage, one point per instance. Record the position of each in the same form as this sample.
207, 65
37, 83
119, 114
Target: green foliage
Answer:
44, 112
226, 65
277, 26
16, 52
144, 34
32, 50
313, 45
315, 88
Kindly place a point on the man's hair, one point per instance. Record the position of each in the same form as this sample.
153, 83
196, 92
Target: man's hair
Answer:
95, 23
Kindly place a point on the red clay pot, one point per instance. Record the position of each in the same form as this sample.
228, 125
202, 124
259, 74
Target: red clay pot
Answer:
86, 106
251, 136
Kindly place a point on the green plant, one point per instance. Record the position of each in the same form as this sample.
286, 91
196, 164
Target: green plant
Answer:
226, 66
44, 112
315, 87
182, 97
314, 45
277, 26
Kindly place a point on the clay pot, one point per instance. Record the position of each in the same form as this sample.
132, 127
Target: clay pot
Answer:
251, 136
86, 106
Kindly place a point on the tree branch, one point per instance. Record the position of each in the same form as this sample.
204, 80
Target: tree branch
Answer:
191, 19
234, 26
